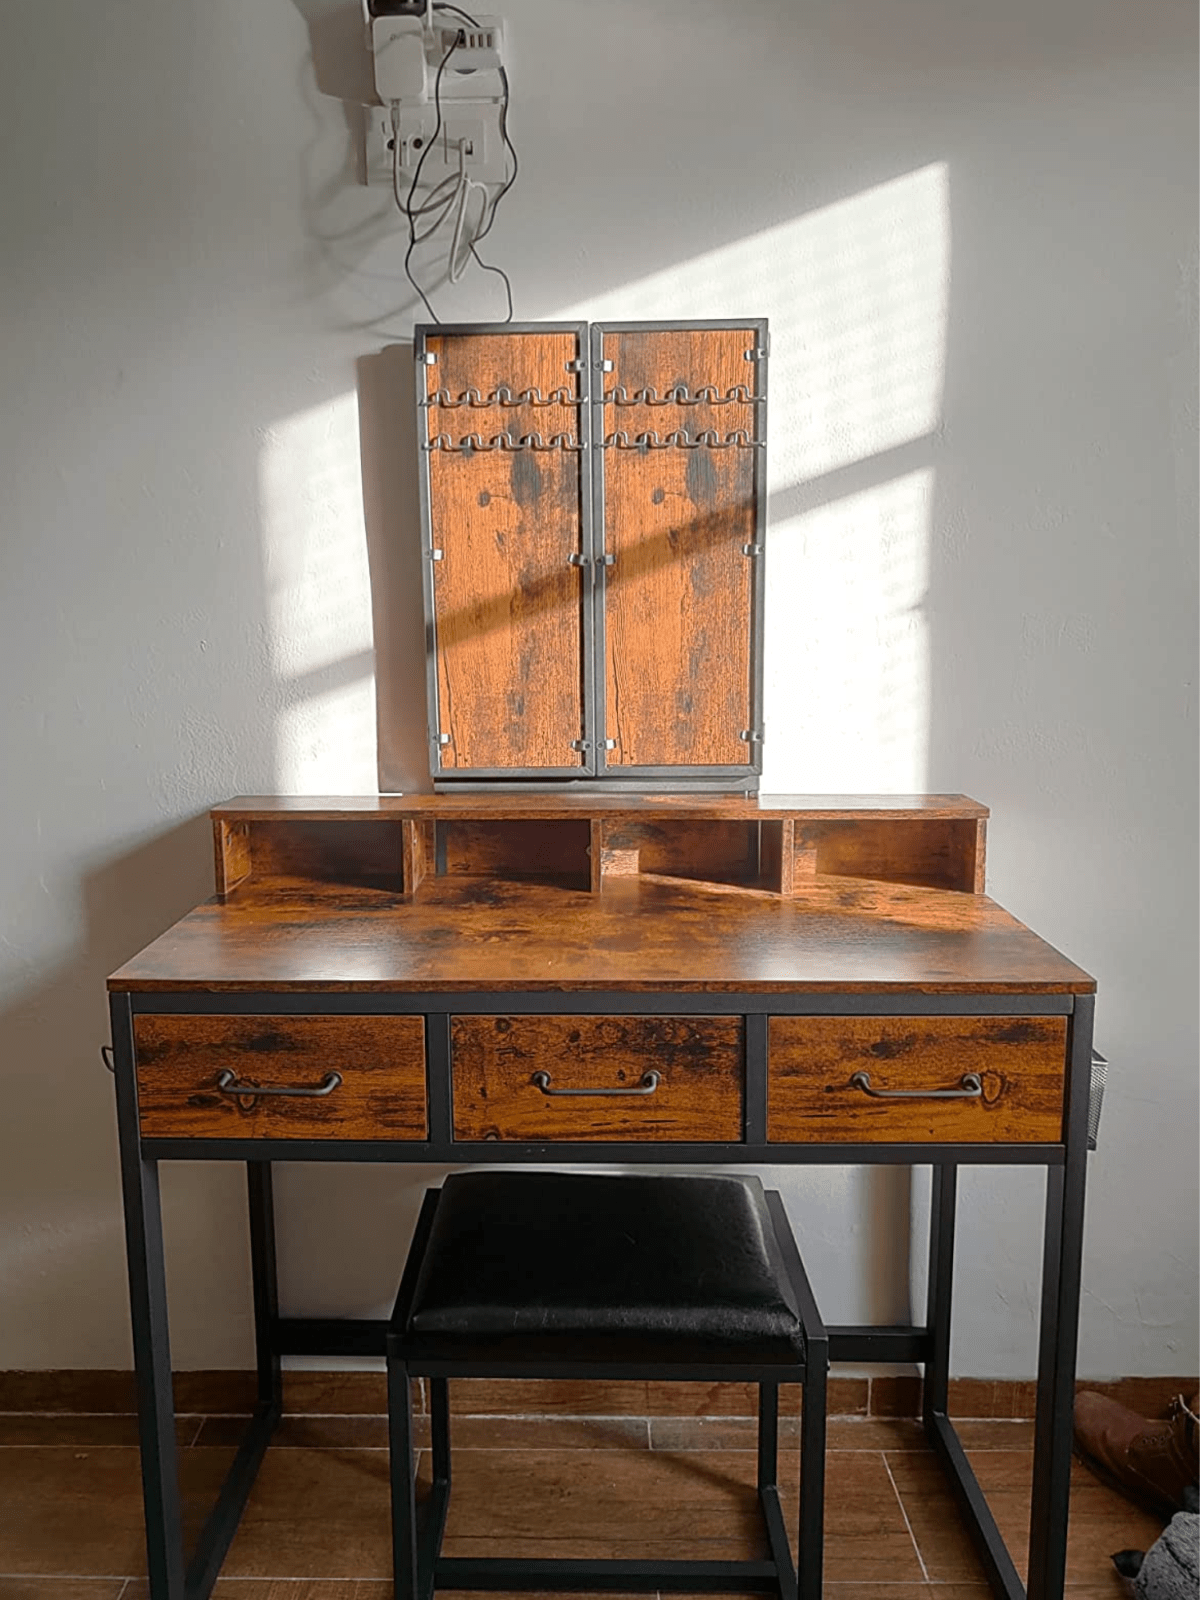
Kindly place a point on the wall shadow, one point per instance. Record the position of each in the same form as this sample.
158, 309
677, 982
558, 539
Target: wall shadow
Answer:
59, 1100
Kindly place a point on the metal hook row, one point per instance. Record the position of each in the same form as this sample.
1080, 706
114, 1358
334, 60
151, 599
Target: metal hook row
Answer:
474, 443
502, 395
678, 439
681, 395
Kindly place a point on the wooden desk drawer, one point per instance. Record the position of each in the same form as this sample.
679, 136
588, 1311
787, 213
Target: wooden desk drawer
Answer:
697, 1093
380, 1061
1020, 1064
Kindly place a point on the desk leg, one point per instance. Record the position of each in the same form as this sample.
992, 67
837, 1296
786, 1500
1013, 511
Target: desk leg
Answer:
151, 1341
261, 1196
998, 1566
943, 1213
1061, 1272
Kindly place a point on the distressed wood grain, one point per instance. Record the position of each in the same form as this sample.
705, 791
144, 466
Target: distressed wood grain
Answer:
347, 852
519, 848
941, 853
700, 1061
420, 848
1021, 1061
777, 855
713, 851
231, 854
507, 603
381, 1060
461, 933
380, 808
677, 661
980, 883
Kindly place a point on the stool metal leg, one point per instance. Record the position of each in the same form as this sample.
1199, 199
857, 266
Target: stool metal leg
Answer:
812, 1473
439, 1427
768, 1435
768, 1490
404, 1487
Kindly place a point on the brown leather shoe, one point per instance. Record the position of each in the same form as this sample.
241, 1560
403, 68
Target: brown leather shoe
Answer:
1151, 1462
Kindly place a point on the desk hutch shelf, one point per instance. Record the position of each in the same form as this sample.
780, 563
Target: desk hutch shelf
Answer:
768, 846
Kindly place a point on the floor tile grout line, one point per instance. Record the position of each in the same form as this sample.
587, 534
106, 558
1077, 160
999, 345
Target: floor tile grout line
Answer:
887, 1467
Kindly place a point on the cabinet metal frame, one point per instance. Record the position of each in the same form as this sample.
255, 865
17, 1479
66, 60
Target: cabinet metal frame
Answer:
593, 767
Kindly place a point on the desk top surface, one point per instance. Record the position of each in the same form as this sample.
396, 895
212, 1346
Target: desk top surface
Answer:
469, 934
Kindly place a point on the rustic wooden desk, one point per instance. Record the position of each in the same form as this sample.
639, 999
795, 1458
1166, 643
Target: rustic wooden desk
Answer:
455, 978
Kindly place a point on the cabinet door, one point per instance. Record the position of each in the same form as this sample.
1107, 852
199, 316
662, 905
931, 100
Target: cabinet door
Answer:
680, 477
503, 422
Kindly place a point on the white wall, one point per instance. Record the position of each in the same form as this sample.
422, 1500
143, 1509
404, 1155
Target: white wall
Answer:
974, 230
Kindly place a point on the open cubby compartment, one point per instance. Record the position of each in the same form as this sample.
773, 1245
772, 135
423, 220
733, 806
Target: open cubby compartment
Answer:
393, 848
931, 852
291, 852
553, 850
721, 853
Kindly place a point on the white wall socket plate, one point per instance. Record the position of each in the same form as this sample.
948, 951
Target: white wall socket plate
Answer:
474, 124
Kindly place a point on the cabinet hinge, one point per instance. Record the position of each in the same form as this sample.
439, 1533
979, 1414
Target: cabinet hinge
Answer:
759, 352
576, 560
576, 366
427, 358
610, 744
604, 365
752, 549
606, 558
435, 555
581, 744
751, 735
442, 738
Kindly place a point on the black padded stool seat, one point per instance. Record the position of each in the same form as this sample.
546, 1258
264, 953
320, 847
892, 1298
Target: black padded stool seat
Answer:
541, 1274
580, 1268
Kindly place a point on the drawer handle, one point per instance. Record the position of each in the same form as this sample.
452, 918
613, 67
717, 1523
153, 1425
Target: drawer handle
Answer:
972, 1089
229, 1083
649, 1083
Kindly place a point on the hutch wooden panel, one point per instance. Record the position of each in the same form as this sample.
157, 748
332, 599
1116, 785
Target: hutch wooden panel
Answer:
506, 550
680, 524
593, 507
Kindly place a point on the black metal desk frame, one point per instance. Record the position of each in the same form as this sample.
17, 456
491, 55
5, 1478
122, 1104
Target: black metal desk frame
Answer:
172, 1577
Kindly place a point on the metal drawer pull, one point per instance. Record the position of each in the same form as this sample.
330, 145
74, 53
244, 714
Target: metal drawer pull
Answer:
649, 1083
228, 1083
972, 1089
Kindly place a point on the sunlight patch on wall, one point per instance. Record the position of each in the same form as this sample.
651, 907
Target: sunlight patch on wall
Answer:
325, 741
857, 297
319, 600
847, 648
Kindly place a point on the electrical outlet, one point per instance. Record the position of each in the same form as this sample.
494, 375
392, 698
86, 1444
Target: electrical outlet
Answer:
475, 126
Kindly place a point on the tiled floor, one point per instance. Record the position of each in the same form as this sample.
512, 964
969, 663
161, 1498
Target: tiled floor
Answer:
317, 1524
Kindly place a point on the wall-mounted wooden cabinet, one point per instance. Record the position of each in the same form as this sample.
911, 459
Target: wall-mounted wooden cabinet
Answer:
593, 514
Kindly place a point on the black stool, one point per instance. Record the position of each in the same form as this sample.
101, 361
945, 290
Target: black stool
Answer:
555, 1275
